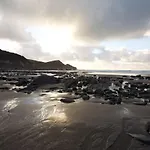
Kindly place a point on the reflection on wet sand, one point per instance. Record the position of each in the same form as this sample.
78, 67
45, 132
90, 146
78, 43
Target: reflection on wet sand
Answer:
50, 113
11, 104
43, 122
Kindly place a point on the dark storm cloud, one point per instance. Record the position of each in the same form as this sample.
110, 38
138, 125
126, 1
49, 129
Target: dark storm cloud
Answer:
96, 19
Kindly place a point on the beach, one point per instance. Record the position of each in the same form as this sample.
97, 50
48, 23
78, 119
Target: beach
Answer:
41, 120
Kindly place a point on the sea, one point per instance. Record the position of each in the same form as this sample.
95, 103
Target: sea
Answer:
119, 72
92, 72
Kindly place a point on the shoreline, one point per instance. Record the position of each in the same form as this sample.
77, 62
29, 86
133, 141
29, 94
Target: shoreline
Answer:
69, 111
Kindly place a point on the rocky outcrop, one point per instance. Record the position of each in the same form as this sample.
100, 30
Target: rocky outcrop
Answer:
40, 81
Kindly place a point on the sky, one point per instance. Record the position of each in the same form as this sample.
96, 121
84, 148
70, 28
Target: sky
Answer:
89, 34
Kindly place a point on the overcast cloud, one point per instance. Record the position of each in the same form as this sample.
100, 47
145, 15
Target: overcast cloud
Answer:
96, 21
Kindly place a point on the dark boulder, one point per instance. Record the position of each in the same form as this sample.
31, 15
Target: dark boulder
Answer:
41, 81
119, 100
79, 92
70, 83
3, 78
140, 103
74, 89
99, 92
60, 91
4, 88
147, 127
69, 90
92, 80
67, 100
148, 78
22, 82
79, 84
85, 97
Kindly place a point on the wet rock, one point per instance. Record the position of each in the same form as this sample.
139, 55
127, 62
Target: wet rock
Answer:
85, 97
79, 84
147, 127
133, 93
92, 80
140, 137
40, 81
144, 94
143, 86
4, 88
11, 79
3, 78
67, 100
74, 89
42, 94
114, 97
119, 100
70, 83
69, 90
99, 92
148, 78
90, 91
139, 77
60, 91
110, 92
79, 93
22, 82
111, 102
140, 103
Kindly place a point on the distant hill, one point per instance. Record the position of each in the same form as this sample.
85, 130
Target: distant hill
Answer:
51, 65
14, 61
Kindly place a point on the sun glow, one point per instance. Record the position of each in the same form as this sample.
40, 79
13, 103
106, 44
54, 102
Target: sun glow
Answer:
54, 39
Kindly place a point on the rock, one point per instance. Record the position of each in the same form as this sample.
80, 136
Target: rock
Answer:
145, 95
3, 78
67, 100
69, 90
70, 83
79, 84
4, 88
140, 103
60, 91
79, 93
141, 137
88, 90
41, 81
22, 82
85, 97
42, 94
139, 77
92, 80
114, 97
119, 100
111, 102
99, 92
74, 89
147, 127
148, 78
109, 92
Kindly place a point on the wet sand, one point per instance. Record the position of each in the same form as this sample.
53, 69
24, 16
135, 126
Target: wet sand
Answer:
44, 123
